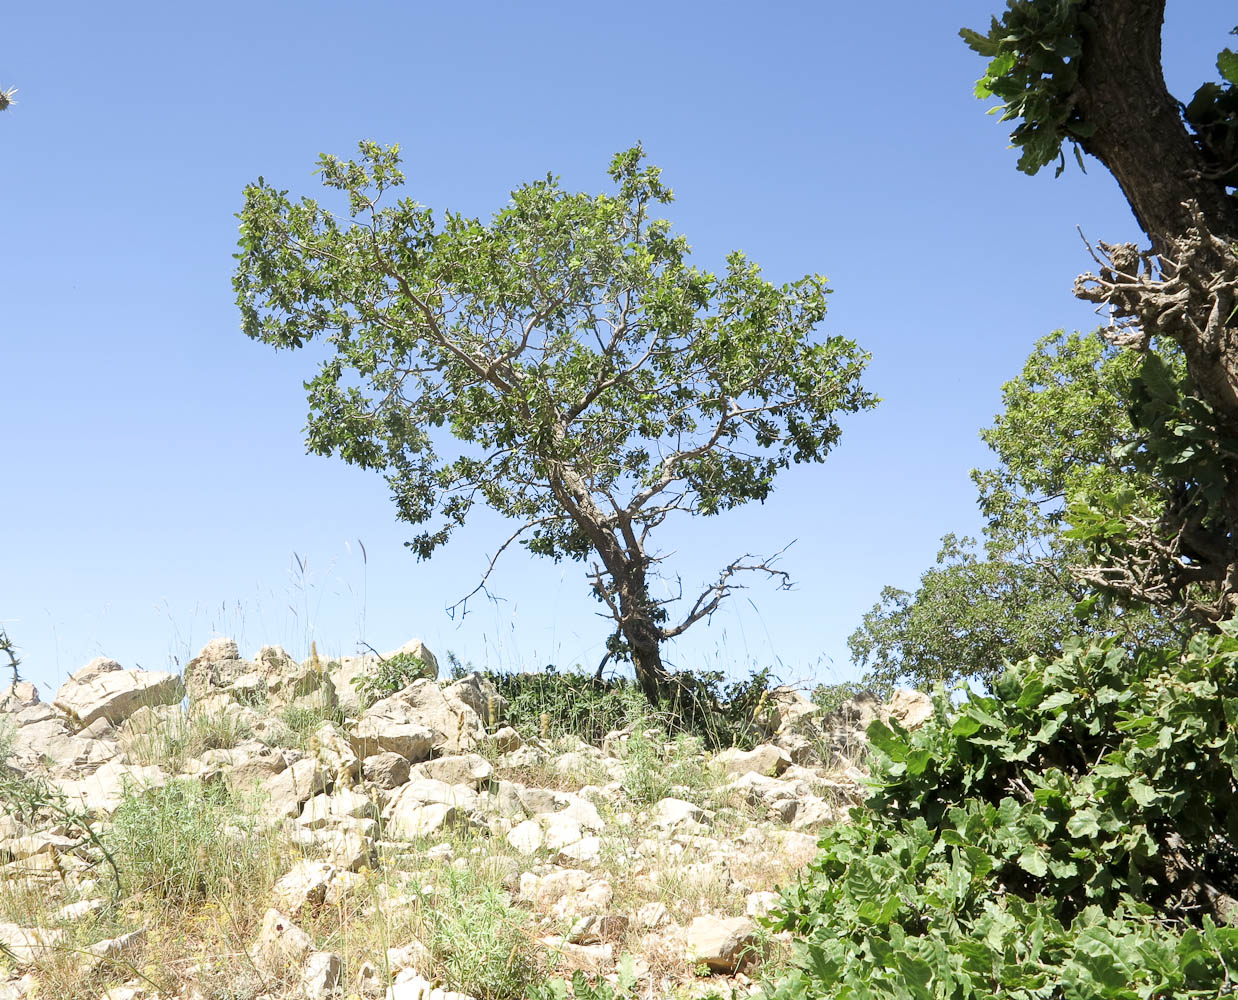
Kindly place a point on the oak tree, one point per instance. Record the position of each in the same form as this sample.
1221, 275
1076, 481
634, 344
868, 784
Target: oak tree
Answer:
563, 363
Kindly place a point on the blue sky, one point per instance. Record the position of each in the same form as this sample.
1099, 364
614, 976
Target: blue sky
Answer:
155, 483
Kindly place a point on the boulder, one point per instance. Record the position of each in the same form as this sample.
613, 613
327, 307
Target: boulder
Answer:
765, 759
102, 791
280, 947
386, 769
218, 668
293, 684
284, 793
724, 944
910, 709
463, 769
304, 887
17, 696
392, 725
480, 694
103, 689
320, 976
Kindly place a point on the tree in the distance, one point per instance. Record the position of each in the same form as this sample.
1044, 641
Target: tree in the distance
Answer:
564, 364
1063, 442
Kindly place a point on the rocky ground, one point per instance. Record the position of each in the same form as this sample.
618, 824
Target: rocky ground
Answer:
268, 828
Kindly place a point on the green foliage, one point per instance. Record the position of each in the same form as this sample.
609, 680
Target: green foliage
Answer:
1213, 114
572, 704
564, 364
1072, 836
1033, 54
299, 723
552, 704
585, 988
829, 697
653, 768
1065, 441
968, 616
477, 940
185, 841
391, 675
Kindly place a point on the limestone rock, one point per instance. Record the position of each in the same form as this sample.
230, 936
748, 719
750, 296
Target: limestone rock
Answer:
724, 944
303, 887
415, 821
28, 944
293, 684
766, 759
669, 813
910, 709
393, 725
320, 976
102, 791
463, 769
287, 791
280, 947
480, 694
386, 769
17, 696
103, 689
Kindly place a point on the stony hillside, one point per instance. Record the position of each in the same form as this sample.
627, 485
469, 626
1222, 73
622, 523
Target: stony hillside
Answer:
268, 828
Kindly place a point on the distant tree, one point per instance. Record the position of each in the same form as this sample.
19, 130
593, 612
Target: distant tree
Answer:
580, 375
1088, 73
1064, 442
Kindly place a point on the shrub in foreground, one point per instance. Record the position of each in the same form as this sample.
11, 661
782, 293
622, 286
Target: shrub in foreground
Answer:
1072, 836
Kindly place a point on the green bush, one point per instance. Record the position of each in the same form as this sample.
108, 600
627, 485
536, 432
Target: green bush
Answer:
390, 675
578, 704
1072, 836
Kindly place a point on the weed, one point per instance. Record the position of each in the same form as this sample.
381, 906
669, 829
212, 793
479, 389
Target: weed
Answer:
188, 842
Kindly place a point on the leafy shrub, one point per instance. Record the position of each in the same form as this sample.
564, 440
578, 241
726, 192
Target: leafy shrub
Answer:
390, 675
1072, 836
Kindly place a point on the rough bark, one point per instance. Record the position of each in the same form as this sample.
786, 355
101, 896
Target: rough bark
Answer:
1189, 217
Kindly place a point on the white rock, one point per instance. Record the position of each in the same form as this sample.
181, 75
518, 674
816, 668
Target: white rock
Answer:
103, 689
670, 812
722, 943
765, 759
320, 977
304, 886
526, 837
463, 769
280, 946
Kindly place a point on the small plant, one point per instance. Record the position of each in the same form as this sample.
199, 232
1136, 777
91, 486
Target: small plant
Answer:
391, 675
585, 988
185, 841
479, 944
298, 724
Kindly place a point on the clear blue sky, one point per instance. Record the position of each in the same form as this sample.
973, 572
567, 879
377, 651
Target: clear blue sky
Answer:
155, 482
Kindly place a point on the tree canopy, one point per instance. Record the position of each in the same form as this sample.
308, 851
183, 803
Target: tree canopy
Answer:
564, 363
1064, 442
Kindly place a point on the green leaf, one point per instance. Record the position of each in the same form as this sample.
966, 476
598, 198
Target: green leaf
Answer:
1227, 65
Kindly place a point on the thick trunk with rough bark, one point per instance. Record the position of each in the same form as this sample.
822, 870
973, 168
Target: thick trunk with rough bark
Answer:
1188, 215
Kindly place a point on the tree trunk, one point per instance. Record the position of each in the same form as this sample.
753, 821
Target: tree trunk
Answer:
1189, 217
643, 636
